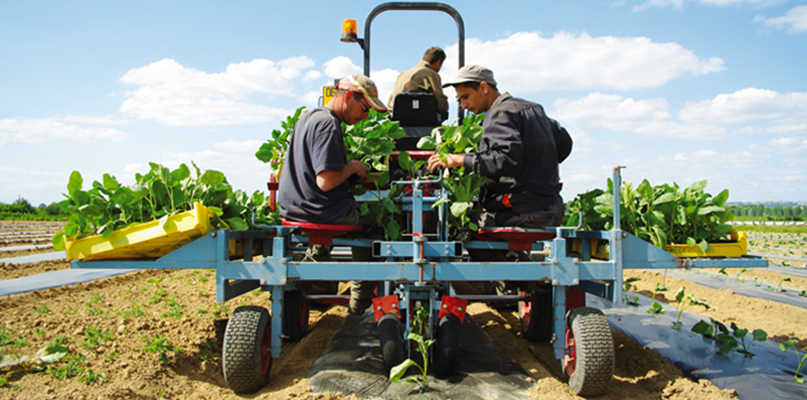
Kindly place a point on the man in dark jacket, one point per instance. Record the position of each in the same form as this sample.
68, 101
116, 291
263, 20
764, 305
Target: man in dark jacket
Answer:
519, 153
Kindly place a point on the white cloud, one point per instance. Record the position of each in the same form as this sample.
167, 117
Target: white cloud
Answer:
340, 67
312, 76
33, 185
180, 96
795, 20
385, 82
660, 4
526, 62
679, 4
68, 129
749, 104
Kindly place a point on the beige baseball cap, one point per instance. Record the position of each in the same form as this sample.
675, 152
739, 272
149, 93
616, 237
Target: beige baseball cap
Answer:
472, 73
365, 85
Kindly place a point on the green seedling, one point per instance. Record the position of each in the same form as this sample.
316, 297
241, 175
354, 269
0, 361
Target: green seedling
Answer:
740, 272
756, 281
784, 346
723, 272
786, 263
397, 372
682, 303
218, 309
162, 346
93, 336
656, 307
779, 287
71, 369
758, 335
44, 309
626, 287
91, 377
803, 293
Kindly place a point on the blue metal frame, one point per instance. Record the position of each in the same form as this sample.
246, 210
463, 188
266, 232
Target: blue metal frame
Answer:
419, 267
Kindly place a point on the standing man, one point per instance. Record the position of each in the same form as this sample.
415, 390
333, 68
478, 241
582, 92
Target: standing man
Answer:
424, 78
519, 153
315, 182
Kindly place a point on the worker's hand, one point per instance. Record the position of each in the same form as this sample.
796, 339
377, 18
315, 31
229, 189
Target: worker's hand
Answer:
359, 169
452, 161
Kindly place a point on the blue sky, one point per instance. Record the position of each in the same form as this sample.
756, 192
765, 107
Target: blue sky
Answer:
675, 90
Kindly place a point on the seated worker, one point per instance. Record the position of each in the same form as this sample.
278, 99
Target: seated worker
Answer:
424, 78
520, 153
315, 183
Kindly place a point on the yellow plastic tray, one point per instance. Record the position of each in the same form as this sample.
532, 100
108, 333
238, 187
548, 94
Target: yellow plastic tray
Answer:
149, 240
738, 247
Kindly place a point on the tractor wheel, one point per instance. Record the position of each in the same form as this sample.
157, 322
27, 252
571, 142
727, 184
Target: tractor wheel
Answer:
537, 317
246, 354
589, 365
447, 345
391, 338
295, 315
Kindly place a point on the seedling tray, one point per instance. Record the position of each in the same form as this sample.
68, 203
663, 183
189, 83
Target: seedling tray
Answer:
150, 240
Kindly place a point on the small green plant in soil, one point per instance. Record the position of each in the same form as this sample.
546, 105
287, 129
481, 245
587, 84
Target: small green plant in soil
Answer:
779, 287
758, 335
684, 301
93, 336
627, 285
44, 309
656, 307
740, 272
785, 346
159, 344
423, 344
727, 339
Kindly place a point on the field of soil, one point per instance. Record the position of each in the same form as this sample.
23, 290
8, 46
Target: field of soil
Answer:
157, 334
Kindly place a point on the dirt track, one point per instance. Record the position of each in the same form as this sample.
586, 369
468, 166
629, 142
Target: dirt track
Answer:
180, 305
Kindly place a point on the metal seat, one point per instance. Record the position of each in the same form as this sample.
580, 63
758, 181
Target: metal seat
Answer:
322, 233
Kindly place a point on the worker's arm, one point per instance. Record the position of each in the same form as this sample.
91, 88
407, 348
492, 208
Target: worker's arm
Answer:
330, 178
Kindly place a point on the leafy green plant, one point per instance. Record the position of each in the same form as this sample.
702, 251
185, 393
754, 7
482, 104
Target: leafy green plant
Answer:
627, 285
162, 346
93, 336
661, 214
684, 301
758, 335
785, 346
91, 377
779, 287
423, 344
43, 309
655, 307
71, 369
108, 206
273, 151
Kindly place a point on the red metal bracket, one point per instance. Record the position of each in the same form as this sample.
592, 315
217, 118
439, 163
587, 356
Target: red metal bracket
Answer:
453, 305
386, 305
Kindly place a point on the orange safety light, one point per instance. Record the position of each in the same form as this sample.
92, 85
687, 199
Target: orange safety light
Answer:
349, 31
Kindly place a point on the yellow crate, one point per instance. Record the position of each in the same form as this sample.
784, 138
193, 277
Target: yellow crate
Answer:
738, 247
149, 240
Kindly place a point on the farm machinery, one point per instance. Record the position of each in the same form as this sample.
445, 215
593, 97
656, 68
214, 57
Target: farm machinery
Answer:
423, 269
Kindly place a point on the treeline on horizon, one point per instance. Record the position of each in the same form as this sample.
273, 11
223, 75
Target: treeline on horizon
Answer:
22, 210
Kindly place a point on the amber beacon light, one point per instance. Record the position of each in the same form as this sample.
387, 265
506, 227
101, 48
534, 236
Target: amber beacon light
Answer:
349, 31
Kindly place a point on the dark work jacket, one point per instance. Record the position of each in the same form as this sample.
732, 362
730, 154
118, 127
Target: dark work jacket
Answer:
519, 154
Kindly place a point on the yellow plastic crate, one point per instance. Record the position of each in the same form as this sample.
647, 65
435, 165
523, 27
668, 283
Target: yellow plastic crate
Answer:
738, 247
149, 240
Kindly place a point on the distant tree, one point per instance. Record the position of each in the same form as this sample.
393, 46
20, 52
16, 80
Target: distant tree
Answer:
23, 206
51, 209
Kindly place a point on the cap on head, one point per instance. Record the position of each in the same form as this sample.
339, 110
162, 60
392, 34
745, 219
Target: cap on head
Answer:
472, 73
363, 84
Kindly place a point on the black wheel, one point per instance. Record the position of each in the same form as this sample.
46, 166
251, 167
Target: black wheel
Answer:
390, 336
590, 362
295, 315
447, 346
537, 317
246, 354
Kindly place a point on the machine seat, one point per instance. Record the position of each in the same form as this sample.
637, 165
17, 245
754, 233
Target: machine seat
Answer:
322, 233
518, 239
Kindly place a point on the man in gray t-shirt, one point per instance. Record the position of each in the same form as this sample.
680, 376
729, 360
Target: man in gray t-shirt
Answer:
315, 180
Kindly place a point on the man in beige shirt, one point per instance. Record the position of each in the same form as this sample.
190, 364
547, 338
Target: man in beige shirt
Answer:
424, 78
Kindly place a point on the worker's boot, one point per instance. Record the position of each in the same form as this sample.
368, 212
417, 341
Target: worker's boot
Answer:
361, 296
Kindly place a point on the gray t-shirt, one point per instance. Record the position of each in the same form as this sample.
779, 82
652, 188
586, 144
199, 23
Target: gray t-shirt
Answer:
316, 145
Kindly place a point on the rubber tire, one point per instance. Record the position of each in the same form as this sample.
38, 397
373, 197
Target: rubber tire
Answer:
390, 336
295, 315
447, 346
246, 356
539, 325
594, 345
